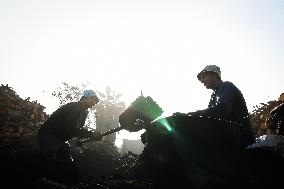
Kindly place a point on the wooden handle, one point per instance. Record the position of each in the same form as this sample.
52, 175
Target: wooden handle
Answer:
103, 134
111, 131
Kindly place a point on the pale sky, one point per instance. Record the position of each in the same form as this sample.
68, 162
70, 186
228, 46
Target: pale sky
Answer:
157, 46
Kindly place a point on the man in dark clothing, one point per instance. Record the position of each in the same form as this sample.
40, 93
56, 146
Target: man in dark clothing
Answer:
227, 103
64, 124
275, 120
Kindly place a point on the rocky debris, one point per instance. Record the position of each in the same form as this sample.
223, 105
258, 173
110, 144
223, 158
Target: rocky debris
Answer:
99, 183
43, 183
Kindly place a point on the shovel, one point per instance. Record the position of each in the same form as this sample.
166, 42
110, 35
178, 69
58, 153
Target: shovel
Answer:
137, 116
130, 120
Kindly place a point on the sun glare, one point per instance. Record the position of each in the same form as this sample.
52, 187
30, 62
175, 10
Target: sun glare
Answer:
156, 47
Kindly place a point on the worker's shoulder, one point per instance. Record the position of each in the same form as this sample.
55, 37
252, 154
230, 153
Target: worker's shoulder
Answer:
228, 84
70, 105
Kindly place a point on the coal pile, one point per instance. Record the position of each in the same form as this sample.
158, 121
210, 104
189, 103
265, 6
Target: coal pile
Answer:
184, 150
199, 152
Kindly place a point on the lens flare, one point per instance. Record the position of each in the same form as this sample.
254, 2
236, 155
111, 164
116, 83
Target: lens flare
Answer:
166, 124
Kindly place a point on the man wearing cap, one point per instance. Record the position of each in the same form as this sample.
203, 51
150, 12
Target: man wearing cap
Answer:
227, 102
64, 124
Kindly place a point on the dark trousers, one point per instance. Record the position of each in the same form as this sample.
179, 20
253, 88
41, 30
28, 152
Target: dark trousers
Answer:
57, 164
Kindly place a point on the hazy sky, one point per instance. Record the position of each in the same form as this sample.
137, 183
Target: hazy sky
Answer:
157, 46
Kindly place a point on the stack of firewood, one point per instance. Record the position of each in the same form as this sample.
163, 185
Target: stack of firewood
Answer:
19, 117
260, 113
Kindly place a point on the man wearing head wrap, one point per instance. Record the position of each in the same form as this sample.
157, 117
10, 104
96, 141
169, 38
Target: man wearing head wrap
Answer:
64, 124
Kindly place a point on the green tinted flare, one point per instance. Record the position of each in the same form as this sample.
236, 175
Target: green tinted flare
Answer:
147, 106
165, 123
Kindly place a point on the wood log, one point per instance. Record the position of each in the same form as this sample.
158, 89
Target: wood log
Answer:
19, 116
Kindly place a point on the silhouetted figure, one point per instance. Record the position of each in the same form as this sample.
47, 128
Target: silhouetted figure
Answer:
227, 103
275, 120
64, 124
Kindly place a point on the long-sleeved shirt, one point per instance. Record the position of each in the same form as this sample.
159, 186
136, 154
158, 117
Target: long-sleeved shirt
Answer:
227, 103
66, 122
